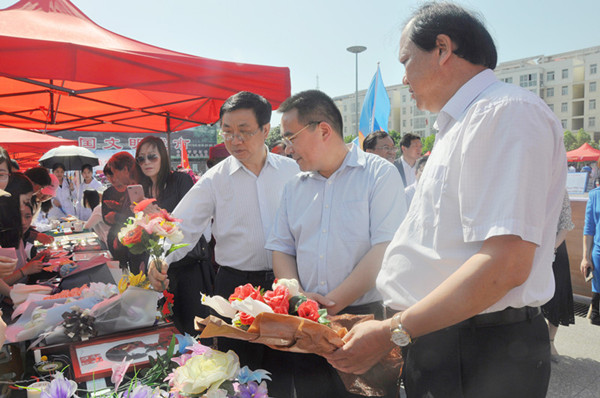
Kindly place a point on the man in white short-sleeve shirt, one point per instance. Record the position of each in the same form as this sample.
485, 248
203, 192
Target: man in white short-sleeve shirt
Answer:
333, 225
470, 265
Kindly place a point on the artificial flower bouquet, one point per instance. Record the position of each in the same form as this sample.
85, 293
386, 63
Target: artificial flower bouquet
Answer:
286, 320
192, 371
147, 232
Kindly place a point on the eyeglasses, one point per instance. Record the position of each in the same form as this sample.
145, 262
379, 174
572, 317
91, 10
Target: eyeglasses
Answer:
289, 141
387, 148
242, 136
151, 157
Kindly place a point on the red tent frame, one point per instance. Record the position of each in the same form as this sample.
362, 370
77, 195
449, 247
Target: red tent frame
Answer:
585, 153
61, 71
27, 147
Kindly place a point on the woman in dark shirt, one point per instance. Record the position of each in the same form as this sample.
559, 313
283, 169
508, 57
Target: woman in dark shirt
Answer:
194, 273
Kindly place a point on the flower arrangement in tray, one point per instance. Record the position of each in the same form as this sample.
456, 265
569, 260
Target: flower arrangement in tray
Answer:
147, 232
193, 370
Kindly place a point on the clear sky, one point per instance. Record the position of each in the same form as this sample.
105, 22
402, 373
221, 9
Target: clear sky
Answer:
311, 36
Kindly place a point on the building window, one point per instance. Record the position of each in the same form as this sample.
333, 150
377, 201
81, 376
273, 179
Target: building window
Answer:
565, 73
403, 97
420, 123
551, 106
592, 87
592, 122
564, 107
564, 90
592, 104
550, 76
528, 80
404, 123
563, 123
550, 92
404, 111
507, 80
593, 69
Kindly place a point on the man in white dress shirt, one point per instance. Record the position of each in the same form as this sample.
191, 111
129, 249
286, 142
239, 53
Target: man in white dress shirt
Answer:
241, 194
333, 225
472, 262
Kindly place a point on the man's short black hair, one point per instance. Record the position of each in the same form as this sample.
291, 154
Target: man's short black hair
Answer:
408, 138
39, 175
247, 100
87, 167
58, 166
370, 141
473, 41
315, 106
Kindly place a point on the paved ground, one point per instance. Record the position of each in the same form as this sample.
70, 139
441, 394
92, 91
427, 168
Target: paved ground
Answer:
577, 372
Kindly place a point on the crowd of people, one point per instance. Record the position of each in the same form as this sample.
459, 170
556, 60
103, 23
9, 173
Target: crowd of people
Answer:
457, 266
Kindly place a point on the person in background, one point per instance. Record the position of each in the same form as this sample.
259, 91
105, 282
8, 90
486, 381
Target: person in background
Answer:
241, 195
278, 148
11, 233
412, 148
381, 144
40, 178
410, 190
62, 204
590, 263
91, 200
21, 189
89, 183
469, 267
559, 310
5, 168
117, 207
333, 225
194, 272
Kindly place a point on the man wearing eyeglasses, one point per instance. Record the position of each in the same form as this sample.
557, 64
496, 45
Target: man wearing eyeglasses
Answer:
381, 144
333, 225
241, 194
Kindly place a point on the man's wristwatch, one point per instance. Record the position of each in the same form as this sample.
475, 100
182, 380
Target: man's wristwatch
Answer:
400, 336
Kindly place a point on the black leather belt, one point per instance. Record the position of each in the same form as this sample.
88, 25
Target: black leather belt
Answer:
267, 274
505, 317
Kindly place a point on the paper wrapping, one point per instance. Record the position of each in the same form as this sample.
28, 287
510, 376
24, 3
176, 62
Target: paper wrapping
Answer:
300, 335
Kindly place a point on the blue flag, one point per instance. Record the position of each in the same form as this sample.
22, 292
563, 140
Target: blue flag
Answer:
376, 109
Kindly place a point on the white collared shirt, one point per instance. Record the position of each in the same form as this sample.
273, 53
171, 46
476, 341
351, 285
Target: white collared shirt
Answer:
329, 224
498, 167
409, 172
243, 207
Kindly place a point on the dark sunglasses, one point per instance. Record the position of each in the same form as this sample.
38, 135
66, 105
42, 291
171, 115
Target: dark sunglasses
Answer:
151, 157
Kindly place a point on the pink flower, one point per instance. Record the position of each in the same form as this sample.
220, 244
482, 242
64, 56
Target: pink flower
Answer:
119, 371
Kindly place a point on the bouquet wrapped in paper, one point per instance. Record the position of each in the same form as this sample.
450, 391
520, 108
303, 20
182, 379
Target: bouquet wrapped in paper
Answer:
285, 320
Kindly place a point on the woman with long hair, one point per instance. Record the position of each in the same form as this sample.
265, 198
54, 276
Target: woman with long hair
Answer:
194, 273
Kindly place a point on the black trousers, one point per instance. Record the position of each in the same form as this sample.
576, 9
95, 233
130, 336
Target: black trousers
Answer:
466, 361
313, 376
255, 356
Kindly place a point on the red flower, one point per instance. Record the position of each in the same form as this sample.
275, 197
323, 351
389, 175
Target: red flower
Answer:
278, 299
309, 310
246, 319
168, 305
143, 204
133, 236
241, 292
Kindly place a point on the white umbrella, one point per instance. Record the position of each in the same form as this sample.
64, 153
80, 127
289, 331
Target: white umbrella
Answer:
73, 157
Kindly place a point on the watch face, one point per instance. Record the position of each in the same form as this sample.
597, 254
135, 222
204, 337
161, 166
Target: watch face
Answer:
399, 337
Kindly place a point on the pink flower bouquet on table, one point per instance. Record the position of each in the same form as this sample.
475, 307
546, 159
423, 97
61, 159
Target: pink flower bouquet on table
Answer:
147, 232
286, 320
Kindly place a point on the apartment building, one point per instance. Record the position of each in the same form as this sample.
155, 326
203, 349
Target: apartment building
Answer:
567, 82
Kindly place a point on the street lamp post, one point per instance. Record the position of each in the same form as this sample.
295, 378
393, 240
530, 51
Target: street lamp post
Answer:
356, 50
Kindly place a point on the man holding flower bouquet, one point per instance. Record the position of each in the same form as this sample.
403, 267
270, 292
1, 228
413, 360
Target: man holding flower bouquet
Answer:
240, 196
333, 225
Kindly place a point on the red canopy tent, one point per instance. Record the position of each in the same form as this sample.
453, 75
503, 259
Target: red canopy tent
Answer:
61, 71
27, 147
585, 153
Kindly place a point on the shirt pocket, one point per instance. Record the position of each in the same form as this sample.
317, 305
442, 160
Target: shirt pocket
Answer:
428, 197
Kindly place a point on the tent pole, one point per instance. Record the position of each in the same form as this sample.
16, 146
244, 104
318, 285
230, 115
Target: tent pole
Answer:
169, 137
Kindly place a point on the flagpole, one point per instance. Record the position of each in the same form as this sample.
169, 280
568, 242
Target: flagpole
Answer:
356, 50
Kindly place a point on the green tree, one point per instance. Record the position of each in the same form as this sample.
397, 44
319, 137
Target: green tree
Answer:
569, 140
348, 139
395, 136
428, 143
273, 137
